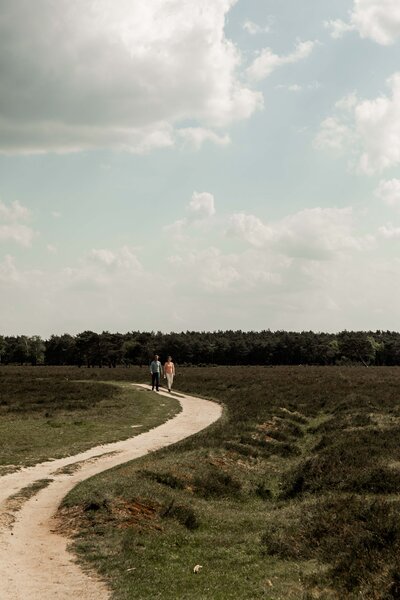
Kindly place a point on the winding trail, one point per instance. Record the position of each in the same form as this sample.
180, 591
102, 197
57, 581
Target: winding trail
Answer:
34, 561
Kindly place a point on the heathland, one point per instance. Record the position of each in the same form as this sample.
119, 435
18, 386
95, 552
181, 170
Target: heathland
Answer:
292, 494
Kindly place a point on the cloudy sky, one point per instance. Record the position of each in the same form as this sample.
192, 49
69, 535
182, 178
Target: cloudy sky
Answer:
184, 165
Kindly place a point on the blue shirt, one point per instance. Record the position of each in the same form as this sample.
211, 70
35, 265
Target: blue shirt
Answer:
155, 366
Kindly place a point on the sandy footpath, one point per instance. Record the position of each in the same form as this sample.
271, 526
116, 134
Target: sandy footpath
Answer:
34, 561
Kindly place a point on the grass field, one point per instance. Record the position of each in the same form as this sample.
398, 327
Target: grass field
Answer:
50, 413
292, 495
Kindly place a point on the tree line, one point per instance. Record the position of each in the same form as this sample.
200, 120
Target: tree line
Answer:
107, 349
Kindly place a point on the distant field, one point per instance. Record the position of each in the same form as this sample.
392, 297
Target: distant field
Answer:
52, 412
292, 495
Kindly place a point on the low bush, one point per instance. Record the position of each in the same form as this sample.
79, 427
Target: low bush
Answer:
358, 538
185, 515
347, 461
212, 482
263, 491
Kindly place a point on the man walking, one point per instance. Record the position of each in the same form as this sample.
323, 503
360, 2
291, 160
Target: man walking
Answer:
156, 372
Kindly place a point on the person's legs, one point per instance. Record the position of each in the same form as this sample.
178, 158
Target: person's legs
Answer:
157, 380
154, 381
170, 379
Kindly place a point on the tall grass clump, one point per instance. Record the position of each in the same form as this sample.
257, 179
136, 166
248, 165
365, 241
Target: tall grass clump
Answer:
356, 537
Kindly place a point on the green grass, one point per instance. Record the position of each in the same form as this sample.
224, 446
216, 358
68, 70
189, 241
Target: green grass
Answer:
262, 498
293, 494
148, 549
45, 415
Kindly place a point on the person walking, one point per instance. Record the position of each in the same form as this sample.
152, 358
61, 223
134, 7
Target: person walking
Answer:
156, 371
169, 372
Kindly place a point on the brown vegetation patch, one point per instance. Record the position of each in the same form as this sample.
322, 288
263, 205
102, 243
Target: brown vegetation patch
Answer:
68, 520
136, 513
233, 460
139, 514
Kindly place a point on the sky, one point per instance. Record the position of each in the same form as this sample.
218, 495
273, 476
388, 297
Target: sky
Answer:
199, 165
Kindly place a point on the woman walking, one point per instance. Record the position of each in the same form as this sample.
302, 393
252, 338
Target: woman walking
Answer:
169, 372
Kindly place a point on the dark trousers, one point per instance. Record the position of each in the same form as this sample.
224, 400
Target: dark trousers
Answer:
155, 380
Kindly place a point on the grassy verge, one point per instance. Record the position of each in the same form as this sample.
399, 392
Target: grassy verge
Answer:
44, 416
292, 495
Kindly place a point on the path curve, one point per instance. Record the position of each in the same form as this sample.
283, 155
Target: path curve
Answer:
34, 561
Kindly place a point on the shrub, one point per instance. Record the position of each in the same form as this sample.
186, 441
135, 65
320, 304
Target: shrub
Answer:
263, 491
346, 462
283, 541
185, 515
357, 537
376, 480
214, 483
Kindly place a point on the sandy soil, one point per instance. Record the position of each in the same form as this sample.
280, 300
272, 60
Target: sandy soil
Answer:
34, 561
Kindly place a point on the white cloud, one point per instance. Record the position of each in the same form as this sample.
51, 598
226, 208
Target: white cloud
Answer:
267, 62
304, 271
211, 271
251, 229
200, 208
14, 212
377, 123
21, 234
10, 227
333, 135
378, 20
8, 270
347, 103
370, 128
294, 87
202, 204
105, 289
177, 230
389, 192
123, 259
118, 74
314, 234
253, 28
214, 271
338, 28
103, 268
196, 136
389, 232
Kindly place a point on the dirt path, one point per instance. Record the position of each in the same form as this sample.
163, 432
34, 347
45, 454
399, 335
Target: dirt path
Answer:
34, 561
